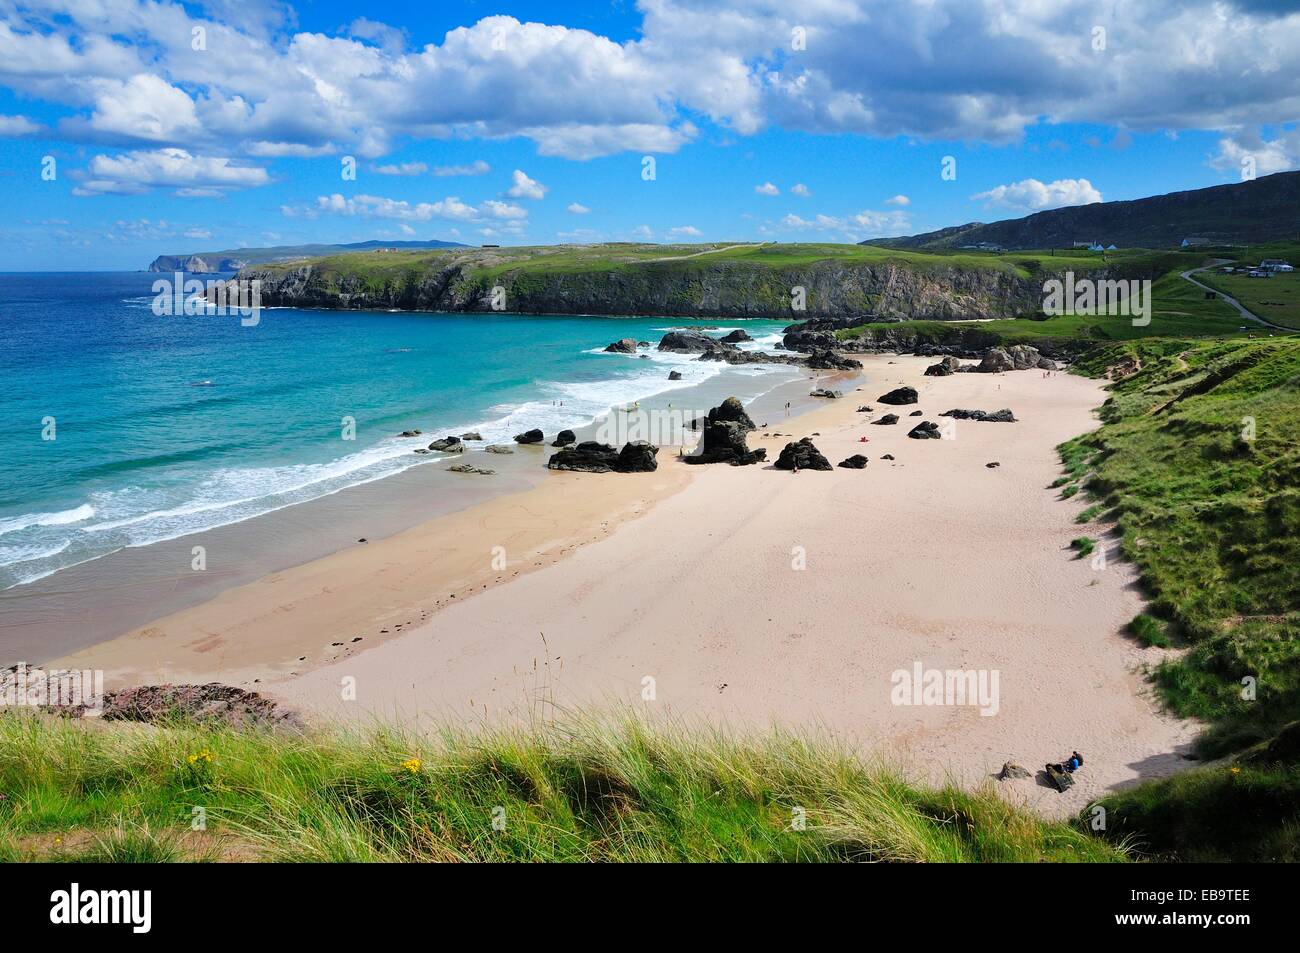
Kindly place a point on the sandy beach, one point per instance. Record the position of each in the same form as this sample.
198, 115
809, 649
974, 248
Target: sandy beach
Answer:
744, 596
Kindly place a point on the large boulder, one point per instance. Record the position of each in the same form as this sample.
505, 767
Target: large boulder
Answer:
446, 443
949, 365
731, 409
472, 435
801, 340
899, 395
736, 336
855, 462
564, 438
725, 427
802, 455
688, 342
637, 457
622, 346
995, 361
1023, 357
1014, 358
591, 456
925, 430
530, 436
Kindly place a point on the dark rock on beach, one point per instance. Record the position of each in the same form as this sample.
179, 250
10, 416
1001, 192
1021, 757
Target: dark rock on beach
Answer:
470, 468
830, 361
925, 430
590, 456
915, 413
802, 455
499, 448
949, 365
855, 462
1003, 416
446, 443
564, 438
886, 420
472, 435
824, 392
899, 395
725, 427
530, 436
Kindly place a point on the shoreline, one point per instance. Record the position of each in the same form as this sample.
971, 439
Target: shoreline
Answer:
687, 577
111, 596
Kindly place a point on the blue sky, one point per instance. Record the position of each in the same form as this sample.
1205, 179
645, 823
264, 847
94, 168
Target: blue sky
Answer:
202, 127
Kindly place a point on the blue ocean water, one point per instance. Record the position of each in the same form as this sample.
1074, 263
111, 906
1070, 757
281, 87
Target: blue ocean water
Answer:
165, 426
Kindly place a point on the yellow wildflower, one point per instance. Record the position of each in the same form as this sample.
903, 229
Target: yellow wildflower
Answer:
413, 765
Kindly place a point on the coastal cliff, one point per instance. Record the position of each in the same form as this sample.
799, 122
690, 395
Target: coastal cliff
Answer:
709, 284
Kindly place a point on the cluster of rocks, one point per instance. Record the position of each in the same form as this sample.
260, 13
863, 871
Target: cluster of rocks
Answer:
949, 365
725, 427
995, 360
802, 455
591, 456
724, 349
212, 704
1003, 416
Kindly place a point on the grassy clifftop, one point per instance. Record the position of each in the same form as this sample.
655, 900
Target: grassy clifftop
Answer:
738, 281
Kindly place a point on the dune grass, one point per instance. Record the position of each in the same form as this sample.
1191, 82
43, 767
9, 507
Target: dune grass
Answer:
586, 790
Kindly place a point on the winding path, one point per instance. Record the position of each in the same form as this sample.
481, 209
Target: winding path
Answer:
1228, 298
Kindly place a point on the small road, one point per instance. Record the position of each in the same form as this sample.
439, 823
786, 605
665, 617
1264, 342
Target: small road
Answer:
1228, 298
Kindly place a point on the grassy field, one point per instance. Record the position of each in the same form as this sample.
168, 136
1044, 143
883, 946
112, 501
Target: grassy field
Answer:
77, 791
1275, 299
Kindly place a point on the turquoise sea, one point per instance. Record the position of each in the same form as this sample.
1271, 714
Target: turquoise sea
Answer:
167, 426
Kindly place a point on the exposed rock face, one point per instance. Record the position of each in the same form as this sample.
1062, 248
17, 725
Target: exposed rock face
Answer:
898, 396
688, 342
824, 392
802, 455
447, 443
925, 430
455, 281
470, 468
736, 336
564, 438
1004, 416
949, 365
855, 462
622, 346
472, 435
531, 436
995, 361
674, 375
591, 456
886, 420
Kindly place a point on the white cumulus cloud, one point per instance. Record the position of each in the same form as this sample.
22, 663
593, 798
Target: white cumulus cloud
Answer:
524, 187
1031, 195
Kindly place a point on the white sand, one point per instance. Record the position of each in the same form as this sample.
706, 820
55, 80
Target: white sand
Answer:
933, 558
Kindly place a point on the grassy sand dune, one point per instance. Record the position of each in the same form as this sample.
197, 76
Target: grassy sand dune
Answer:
581, 790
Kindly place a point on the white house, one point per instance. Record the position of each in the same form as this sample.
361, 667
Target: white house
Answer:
1275, 264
